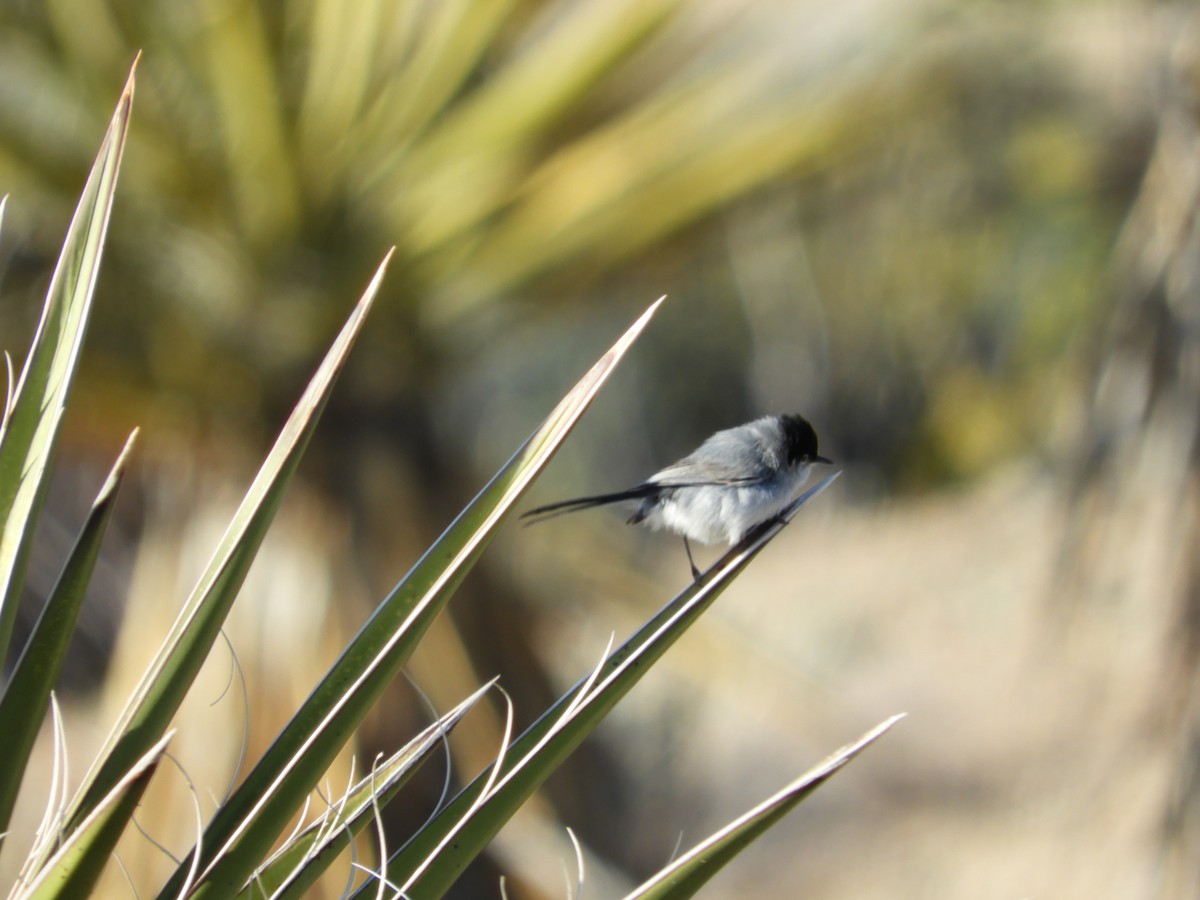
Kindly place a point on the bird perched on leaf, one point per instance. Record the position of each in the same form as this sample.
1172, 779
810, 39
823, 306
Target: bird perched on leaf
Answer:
737, 479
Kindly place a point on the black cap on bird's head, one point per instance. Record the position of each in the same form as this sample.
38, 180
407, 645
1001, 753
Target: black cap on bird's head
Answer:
801, 441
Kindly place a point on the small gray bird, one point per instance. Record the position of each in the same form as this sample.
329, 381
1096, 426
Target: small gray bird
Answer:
737, 479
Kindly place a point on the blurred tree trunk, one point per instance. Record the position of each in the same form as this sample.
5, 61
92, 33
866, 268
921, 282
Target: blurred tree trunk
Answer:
1148, 379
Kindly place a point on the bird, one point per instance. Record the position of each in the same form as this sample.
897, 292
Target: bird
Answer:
737, 479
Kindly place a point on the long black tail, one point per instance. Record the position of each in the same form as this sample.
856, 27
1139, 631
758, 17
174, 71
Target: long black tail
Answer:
562, 507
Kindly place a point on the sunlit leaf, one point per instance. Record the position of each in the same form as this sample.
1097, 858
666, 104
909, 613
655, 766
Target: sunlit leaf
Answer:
254, 815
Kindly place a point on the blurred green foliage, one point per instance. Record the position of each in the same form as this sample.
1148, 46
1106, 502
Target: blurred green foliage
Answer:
860, 213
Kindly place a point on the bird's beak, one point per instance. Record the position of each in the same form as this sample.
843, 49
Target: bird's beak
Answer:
821, 459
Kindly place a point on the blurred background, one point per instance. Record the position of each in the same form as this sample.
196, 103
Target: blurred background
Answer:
961, 238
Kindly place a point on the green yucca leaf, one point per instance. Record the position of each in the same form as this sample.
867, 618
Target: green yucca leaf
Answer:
9, 386
654, 187
453, 38
247, 95
291, 871
428, 865
462, 171
76, 865
26, 697
31, 428
170, 674
244, 828
690, 872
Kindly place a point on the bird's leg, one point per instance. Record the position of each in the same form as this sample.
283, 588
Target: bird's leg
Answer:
695, 571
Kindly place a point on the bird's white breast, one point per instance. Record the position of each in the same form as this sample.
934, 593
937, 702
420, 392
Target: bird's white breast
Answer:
714, 513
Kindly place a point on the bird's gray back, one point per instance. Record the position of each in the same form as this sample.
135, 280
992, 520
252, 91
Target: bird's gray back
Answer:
735, 455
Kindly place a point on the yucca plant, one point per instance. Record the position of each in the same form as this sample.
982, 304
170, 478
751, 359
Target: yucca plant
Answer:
240, 851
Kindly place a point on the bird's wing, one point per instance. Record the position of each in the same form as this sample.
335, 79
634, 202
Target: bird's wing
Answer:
726, 458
